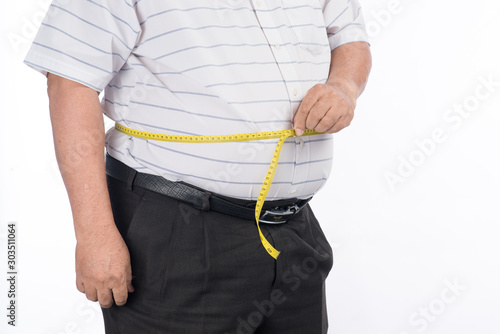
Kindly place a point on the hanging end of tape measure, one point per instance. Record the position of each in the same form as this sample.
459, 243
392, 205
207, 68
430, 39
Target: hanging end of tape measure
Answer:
267, 245
273, 252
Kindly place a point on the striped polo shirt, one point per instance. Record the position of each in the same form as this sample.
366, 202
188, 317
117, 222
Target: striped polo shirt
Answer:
204, 68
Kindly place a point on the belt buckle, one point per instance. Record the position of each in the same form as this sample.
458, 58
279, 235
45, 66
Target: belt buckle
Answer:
279, 215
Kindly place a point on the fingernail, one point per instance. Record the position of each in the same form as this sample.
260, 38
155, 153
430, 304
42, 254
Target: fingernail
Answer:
299, 132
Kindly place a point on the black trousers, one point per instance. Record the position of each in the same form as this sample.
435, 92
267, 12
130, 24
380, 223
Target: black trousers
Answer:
203, 272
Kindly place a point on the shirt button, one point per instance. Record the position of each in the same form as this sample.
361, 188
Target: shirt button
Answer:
295, 92
301, 143
293, 191
277, 46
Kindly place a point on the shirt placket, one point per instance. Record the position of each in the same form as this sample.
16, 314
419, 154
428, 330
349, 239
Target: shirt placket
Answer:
290, 76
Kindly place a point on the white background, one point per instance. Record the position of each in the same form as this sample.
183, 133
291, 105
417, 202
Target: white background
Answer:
398, 246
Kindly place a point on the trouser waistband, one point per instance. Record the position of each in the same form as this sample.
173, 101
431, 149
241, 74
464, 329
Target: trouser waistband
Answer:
274, 212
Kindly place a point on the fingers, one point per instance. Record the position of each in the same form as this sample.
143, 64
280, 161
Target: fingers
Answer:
341, 123
325, 109
120, 295
121, 291
309, 100
321, 117
80, 286
105, 298
91, 294
130, 288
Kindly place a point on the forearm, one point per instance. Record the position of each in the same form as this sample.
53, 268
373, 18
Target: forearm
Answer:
78, 130
349, 68
330, 107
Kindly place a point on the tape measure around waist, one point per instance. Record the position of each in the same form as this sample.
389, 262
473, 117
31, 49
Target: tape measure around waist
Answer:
282, 135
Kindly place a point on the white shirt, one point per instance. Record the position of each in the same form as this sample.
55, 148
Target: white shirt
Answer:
204, 68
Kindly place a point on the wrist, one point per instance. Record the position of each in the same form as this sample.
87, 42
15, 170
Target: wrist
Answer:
93, 222
94, 230
347, 89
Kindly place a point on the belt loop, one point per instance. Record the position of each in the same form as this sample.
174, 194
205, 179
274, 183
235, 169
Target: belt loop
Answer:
130, 180
205, 206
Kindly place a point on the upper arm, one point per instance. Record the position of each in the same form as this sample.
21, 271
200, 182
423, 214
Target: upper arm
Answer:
85, 41
57, 83
344, 22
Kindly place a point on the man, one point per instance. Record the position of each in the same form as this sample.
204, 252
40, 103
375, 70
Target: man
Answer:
166, 241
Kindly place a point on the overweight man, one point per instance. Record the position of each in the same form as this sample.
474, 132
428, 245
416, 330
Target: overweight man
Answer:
167, 238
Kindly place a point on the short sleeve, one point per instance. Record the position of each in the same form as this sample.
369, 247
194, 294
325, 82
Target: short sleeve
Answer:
344, 22
87, 41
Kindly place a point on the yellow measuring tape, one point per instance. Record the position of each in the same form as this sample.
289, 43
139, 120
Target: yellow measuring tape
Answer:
282, 135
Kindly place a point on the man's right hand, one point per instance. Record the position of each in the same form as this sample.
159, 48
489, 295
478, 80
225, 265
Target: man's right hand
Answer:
102, 258
103, 271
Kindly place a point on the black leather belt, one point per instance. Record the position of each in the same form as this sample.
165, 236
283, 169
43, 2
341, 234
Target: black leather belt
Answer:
273, 212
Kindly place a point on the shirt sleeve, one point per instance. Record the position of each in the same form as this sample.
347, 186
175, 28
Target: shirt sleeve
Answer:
87, 41
344, 22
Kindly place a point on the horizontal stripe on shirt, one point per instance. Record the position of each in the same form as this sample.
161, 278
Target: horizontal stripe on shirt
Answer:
223, 67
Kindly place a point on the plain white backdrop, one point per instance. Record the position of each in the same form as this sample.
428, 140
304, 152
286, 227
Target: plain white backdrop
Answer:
412, 208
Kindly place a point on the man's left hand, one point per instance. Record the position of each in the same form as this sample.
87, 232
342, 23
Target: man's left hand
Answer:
325, 108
